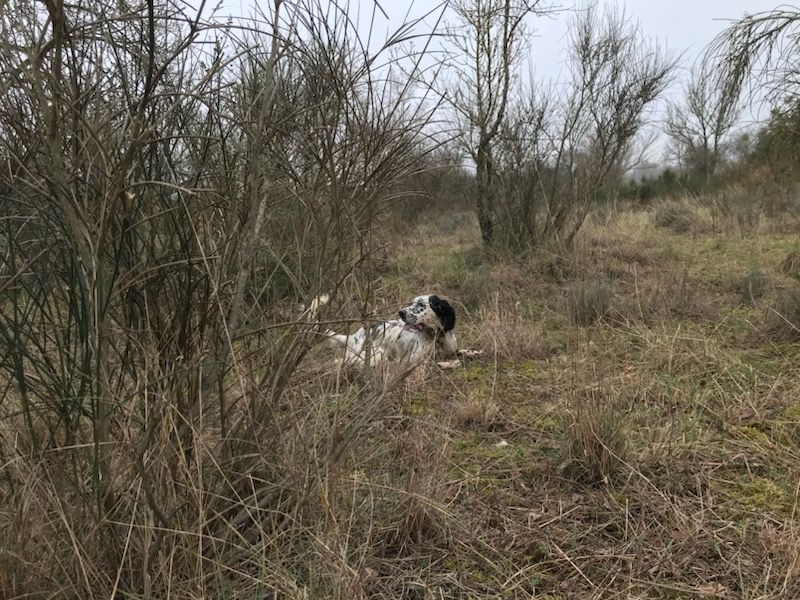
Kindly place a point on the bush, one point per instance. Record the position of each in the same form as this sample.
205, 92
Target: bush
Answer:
588, 301
752, 287
674, 216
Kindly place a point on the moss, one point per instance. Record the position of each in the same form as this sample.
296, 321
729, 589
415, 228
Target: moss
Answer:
473, 570
529, 369
760, 493
419, 406
480, 373
550, 424
792, 413
751, 432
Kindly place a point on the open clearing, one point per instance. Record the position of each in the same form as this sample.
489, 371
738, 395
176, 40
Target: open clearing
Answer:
652, 454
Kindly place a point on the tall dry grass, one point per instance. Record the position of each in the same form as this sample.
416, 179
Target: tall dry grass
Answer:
173, 184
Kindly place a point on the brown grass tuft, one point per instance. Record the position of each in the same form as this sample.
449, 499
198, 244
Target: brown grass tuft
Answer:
588, 301
790, 265
595, 444
475, 412
675, 216
783, 322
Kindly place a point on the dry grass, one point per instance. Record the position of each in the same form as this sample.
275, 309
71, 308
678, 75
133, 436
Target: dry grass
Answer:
588, 301
676, 216
790, 265
752, 287
784, 321
595, 441
652, 454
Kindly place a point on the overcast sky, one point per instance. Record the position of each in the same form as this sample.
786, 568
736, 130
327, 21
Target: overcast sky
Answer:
684, 27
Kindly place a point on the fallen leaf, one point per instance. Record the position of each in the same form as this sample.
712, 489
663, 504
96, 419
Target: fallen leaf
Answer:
714, 589
746, 413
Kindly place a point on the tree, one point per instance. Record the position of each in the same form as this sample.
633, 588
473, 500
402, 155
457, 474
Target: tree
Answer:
564, 152
759, 49
700, 126
171, 186
489, 37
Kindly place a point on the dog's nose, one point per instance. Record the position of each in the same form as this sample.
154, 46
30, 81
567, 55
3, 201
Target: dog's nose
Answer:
402, 314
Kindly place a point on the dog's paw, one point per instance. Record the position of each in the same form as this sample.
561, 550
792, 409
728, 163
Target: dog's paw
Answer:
469, 354
448, 364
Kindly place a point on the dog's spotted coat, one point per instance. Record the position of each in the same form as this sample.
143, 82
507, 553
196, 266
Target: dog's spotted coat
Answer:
424, 328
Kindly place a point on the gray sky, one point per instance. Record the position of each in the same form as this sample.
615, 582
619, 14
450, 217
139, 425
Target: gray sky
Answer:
683, 27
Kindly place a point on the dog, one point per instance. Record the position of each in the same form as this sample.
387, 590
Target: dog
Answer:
424, 329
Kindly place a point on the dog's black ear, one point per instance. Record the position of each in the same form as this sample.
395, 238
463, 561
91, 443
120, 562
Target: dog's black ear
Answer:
444, 311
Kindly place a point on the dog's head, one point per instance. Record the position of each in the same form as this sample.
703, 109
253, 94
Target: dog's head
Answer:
431, 312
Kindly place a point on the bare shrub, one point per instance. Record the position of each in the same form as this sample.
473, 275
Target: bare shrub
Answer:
543, 159
758, 49
171, 183
560, 155
700, 128
588, 301
490, 36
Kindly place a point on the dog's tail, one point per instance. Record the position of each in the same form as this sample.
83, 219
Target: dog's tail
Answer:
314, 307
330, 339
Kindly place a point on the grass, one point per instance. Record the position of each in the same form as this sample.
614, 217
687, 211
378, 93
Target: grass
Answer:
649, 454
675, 216
588, 301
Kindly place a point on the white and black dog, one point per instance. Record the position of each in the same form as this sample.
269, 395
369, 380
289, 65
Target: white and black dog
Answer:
425, 328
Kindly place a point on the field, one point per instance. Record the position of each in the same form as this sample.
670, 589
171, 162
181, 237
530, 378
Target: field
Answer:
179, 181
631, 430
652, 453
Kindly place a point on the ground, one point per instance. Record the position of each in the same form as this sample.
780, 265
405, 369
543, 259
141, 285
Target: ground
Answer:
631, 430
651, 454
